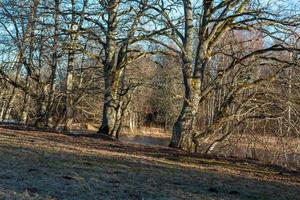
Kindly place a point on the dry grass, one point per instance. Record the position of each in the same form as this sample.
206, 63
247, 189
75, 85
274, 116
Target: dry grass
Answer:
283, 151
147, 131
43, 165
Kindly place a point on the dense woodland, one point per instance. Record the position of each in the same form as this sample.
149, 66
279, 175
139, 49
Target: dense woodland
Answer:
210, 72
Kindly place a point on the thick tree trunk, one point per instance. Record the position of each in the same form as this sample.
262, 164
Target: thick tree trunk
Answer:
108, 116
112, 115
117, 123
111, 120
111, 78
183, 130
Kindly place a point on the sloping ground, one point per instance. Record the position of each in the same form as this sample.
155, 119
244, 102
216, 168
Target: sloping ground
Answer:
43, 165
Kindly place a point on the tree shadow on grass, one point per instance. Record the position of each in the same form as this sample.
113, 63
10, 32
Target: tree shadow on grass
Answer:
32, 173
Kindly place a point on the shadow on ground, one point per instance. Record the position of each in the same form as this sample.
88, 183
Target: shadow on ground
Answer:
40, 165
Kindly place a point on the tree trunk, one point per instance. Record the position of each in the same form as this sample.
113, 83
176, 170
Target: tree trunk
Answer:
24, 112
183, 129
132, 121
5, 111
117, 123
69, 99
2, 109
111, 116
69, 115
54, 63
111, 120
69, 104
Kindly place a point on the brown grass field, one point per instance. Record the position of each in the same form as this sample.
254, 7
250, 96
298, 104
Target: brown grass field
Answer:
45, 165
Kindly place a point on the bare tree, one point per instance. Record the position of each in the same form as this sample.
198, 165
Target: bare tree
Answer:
202, 26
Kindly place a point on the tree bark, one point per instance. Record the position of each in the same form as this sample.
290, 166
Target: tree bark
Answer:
183, 129
69, 115
111, 116
54, 63
112, 73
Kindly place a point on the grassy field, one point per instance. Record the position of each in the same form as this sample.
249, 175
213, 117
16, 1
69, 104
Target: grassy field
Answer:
43, 165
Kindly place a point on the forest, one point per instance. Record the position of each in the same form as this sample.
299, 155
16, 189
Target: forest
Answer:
184, 99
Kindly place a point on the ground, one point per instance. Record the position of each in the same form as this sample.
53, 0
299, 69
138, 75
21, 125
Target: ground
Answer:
45, 165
